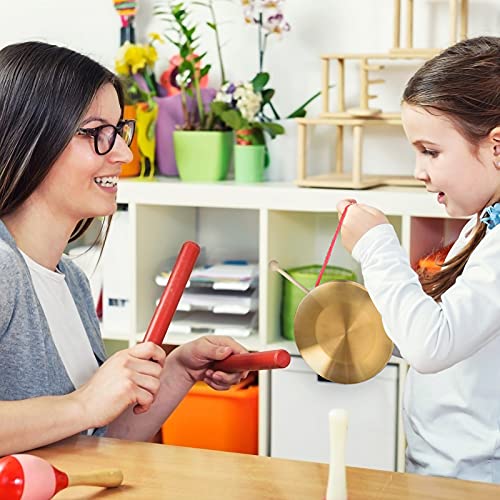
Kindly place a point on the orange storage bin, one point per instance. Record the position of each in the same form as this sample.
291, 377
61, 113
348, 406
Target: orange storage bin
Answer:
216, 420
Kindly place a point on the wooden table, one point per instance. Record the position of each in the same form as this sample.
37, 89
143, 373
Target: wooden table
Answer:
155, 471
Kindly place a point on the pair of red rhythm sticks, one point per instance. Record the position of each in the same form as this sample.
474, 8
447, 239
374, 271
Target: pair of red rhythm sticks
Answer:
167, 306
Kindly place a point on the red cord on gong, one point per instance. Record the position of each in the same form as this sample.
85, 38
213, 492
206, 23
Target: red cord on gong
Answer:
334, 239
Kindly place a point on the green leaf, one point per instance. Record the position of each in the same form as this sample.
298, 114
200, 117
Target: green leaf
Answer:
301, 110
211, 25
218, 107
260, 81
174, 42
204, 71
185, 51
298, 113
199, 58
186, 65
233, 119
273, 129
267, 95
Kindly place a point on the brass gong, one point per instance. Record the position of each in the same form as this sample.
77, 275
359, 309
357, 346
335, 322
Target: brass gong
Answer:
339, 333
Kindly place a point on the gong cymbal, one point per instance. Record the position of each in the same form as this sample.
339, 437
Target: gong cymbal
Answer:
339, 333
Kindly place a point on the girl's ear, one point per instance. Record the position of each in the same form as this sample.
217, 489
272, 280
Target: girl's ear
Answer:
494, 137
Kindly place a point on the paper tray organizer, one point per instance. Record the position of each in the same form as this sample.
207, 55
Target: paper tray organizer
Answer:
206, 323
220, 300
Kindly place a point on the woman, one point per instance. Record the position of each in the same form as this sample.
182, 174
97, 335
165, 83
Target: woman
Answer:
62, 146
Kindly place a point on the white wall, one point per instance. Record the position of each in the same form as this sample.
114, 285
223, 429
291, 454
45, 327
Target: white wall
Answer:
318, 26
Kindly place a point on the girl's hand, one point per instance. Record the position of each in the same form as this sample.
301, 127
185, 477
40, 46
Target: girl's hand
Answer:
358, 220
129, 377
196, 357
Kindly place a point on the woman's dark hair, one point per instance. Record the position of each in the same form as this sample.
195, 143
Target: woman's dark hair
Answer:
45, 92
463, 83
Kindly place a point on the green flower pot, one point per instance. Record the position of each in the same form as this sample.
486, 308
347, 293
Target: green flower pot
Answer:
203, 156
249, 163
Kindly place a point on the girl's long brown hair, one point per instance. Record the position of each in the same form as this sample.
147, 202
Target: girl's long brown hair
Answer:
463, 82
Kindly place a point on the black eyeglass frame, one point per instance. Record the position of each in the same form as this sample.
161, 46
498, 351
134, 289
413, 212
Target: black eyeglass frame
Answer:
94, 132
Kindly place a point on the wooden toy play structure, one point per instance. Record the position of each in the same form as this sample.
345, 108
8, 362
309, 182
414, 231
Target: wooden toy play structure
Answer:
364, 116
458, 14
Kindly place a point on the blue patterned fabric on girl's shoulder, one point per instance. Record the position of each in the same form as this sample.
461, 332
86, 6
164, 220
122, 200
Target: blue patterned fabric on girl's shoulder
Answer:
491, 216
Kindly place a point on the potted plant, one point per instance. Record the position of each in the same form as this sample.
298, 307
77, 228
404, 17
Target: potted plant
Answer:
203, 144
269, 19
134, 64
241, 106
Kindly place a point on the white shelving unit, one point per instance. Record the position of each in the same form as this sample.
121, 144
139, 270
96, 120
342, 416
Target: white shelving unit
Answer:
259, 222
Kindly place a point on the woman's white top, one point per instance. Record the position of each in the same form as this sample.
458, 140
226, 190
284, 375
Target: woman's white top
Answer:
451, 406
64, 322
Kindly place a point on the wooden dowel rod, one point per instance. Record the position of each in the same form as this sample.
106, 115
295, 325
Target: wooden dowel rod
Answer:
108, 478
339, 149
301, 150
396, 31
325, 91
464, 18
409, 24
357, 147
341, 85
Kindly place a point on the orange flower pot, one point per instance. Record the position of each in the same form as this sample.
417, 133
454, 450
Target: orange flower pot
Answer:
134, 167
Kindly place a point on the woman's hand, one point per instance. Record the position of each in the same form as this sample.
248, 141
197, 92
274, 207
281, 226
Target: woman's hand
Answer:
196, 357
359, 219
129, 377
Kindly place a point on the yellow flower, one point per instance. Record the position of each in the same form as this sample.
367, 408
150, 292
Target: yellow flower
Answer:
150, 55
121, 64
121, 68
156, 37
136, 58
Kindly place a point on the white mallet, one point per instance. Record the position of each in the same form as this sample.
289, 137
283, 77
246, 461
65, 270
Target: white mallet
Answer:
337, 489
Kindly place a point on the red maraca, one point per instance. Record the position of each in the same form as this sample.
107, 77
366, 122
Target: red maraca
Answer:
28, 477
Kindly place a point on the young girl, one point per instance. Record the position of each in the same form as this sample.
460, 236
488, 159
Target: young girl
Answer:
448, 326
62, 146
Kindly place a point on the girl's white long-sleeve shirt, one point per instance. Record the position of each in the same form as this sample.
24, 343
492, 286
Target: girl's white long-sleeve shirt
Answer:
451, 404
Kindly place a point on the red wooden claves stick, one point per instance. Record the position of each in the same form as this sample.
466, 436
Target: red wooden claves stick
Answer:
267, 360
172, 293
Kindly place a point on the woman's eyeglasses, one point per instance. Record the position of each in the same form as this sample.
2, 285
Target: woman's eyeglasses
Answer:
105, 135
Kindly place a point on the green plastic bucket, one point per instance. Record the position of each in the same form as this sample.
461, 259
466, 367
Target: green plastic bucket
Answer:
306, 276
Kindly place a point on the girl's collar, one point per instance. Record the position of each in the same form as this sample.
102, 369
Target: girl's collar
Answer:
491, 215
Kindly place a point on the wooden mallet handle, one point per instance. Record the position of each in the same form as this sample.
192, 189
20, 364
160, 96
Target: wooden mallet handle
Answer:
172, 293
108, 478
267, 360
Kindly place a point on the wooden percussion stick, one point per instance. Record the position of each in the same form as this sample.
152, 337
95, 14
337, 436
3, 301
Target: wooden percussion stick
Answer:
336, 489
108, 478
172, 293
254, 361
274, 266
